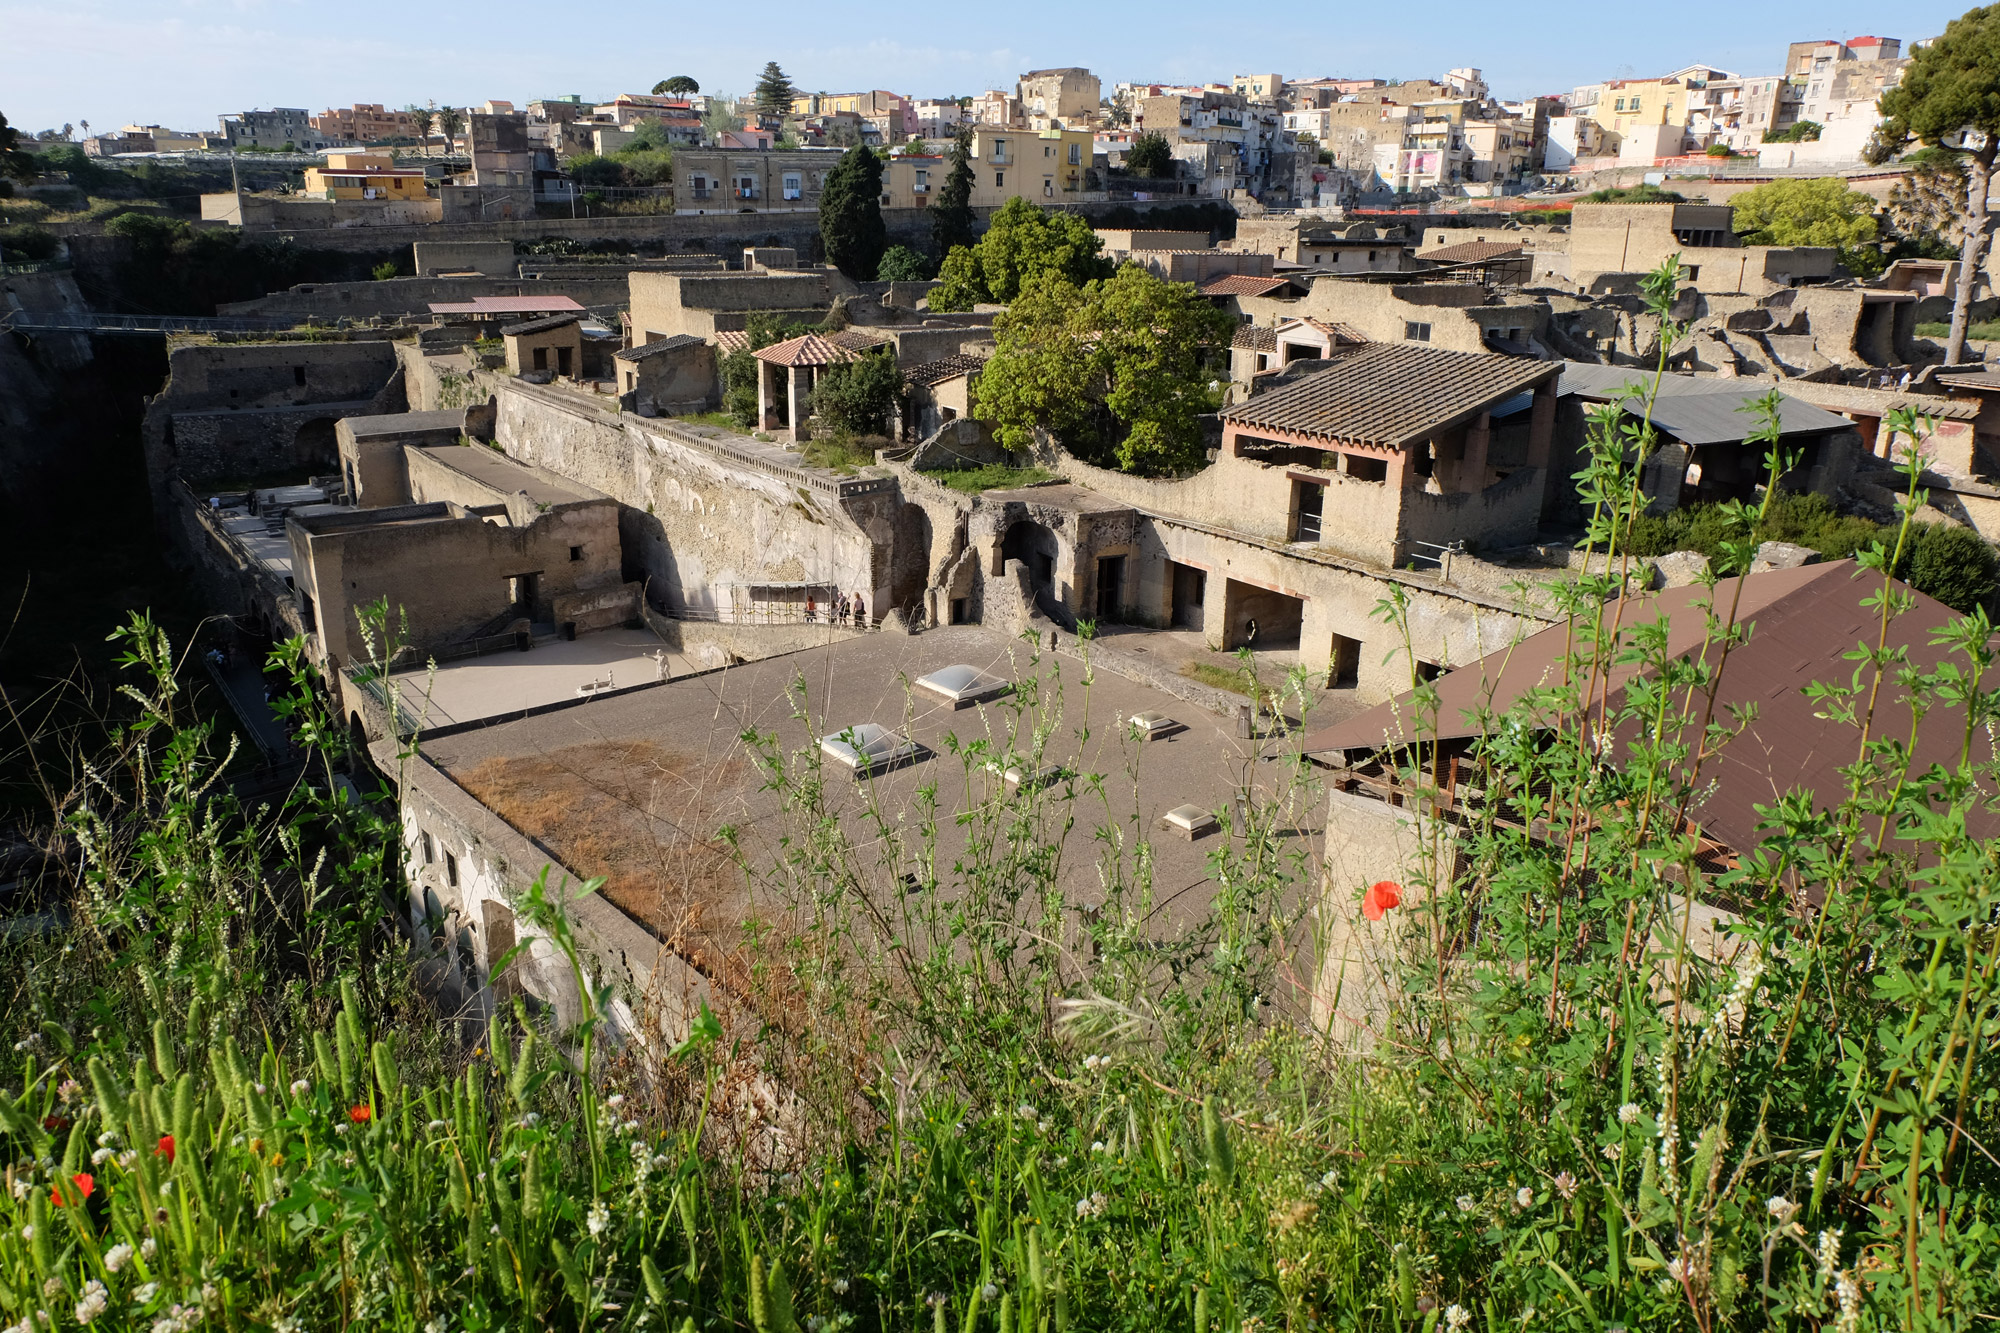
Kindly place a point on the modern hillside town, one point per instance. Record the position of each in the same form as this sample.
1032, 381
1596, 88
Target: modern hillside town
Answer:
1035, 702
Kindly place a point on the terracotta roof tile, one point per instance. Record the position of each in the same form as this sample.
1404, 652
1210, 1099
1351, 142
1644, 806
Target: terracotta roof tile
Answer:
1473, 252
658, 345
732, 340
944, 368
1390, 394
808, 349
1256, 338
1243, 284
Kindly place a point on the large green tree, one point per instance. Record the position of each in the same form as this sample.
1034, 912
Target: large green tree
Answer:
678, 86
774, 92
850, 214
15, 164
951, 213
1150, 156
1021, 242
1950, 97
1811, 212
857, 397
1117, 369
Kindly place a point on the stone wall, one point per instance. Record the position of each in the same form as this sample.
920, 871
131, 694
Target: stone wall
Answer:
447, 572
702, 516
238, 412
495, 259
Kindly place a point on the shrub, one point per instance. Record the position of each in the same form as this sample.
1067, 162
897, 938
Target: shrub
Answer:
384, 271
857, 397
902, 264
21, 242
1953, 564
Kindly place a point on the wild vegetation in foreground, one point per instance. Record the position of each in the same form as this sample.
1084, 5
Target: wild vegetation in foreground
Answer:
231, 1105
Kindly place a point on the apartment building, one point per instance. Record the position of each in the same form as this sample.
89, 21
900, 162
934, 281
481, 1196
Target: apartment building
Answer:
281, 128
365, 122
729, 180
1050, 166
1058, 98
364, 176
888, 114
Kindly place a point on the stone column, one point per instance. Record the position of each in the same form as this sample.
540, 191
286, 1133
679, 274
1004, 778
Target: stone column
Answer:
767, 410
1472, 466
799, 390
1541, 424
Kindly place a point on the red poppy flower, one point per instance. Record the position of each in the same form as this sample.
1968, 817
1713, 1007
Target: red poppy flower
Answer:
55, 1124
361, 1114
1381, 896
84, 1185
166, 1148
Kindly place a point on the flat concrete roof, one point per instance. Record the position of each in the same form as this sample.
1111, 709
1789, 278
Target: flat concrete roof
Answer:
502, 475
1059, 495
493, 684
402, 423
636, 786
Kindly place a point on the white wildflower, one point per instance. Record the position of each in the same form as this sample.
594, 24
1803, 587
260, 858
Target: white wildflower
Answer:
615, 1100
599, 1218
117, 1257
840, 1286
20, 1188
28, 1231
1628, 1114
434, 1126
147, 1249
1565, 1184
128, 1159
53, 1287
989, 1292
1090, 1062
100, 1157
1330, 1180
1780, 1207
1612, 1152
1456, 1317
1094, 1206
1465, 1203
1848, 1292
145, 1294
1098, 1146
300, 1087
1524, 1197
1027, 1112
1828, 1253
95, 1301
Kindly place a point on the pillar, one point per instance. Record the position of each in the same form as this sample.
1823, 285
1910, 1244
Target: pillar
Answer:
1472, 466
767, 408
1541, 424
799, 402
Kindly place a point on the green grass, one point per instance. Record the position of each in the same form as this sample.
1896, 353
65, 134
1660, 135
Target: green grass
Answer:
838, 453
989, 477
720, 420
1218, 677
1987, 331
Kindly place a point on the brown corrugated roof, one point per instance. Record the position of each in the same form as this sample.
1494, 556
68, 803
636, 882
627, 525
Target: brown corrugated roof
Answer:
1243, 284
1472, 252
1391, 394
1801, 621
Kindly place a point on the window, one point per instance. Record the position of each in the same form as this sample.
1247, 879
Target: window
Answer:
1048, 150
746, 187
793, 188
1365, 469
1048, 187
1416, 333
451, 870
575, 554
1000, 150
430, 848
999, 179
1308, 503
923, 185
1076, 154
541, 358
299, 375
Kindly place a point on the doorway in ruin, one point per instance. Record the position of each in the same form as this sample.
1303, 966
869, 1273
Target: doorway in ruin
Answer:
1260, 619
1190, 588
315, 445
1037, 547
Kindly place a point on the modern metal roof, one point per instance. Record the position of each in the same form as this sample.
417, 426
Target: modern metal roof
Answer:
546, 324
507, 305
1698, 410
1801, 621
1390, 394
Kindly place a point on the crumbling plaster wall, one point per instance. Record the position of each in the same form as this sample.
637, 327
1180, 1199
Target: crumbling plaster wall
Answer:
696, 521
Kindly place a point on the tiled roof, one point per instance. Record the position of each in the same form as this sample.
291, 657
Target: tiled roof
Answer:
1472, 252
546, 324
856, 340
944, 368
1256, 338
732, 340
654, 348
1243, 284
808, 349
1390, 394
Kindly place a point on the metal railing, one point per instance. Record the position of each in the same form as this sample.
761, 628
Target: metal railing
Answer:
1439, 554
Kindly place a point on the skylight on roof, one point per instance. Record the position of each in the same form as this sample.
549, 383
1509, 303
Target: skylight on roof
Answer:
1152, 726
962, 685
869, 747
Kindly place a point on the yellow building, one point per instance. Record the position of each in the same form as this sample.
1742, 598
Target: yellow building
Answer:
364, 176
1041, 166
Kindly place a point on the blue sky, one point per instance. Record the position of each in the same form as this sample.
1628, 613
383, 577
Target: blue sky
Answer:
184, 62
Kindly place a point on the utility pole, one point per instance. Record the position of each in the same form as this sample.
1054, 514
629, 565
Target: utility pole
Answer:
235, 181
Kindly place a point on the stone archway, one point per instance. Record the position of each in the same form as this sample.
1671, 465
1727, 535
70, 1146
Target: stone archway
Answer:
1039, 551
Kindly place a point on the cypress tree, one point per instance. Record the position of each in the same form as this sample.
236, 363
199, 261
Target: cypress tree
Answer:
951, 215
774, 90
850, 214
